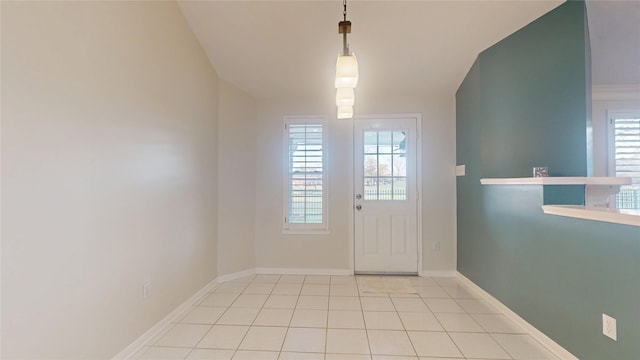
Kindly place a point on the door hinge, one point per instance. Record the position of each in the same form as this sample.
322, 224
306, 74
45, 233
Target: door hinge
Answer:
285, 219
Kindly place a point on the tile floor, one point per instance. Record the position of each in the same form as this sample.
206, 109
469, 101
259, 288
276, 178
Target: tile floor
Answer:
286, 317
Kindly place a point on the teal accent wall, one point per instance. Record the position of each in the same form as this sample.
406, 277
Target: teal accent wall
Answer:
525, 102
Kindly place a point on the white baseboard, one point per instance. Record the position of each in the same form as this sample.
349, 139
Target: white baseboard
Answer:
178, 312
543, 339
450, 273
294, 271
236, 275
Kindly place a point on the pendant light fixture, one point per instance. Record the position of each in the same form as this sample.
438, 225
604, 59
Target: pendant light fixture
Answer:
346, 71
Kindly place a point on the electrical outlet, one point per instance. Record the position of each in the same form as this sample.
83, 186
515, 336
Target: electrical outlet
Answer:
146, 290
436, 246
609, 327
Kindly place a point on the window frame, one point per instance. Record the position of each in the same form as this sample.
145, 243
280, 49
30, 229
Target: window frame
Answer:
305, 228
612, 115
611, 146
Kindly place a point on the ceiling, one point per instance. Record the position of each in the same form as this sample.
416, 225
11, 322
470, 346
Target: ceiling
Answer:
614, 29
287, 49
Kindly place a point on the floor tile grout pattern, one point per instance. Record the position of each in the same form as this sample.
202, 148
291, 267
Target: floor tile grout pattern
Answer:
291, 317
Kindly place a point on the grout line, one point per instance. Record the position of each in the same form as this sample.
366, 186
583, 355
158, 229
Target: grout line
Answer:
254, 319
360, 298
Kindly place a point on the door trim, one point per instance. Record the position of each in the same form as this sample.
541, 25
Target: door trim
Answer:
418, 117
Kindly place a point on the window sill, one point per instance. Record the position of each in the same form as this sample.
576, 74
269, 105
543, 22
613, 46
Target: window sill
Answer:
305, 232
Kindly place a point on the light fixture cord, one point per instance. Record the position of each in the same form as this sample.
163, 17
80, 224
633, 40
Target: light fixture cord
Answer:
344, 13
345, 46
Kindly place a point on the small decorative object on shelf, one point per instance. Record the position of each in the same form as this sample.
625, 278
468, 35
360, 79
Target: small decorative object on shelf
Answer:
540, 171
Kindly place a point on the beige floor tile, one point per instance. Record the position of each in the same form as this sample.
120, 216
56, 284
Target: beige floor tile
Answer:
343, 280
377, 304
409, 305
291, 279
480, 346
273, 317
305, 340
223, 337
255, 355
344, 303
264, 338
314, 302
317, 279
281, 302
443, 306
210, 354
458, 322
301, 356
348, 357
343, 290
420, 321
250, 300
345, 319
238, 316
387, 342
258, 288
390, 357
433, 344
314, 289
287, 289
309, 318
382, 320
347, 341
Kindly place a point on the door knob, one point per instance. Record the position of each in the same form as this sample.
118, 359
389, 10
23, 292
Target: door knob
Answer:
358, 207
359, 196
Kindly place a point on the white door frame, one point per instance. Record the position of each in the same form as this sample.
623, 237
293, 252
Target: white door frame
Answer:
418, 117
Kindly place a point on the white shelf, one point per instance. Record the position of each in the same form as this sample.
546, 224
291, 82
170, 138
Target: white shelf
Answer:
618, 216
559, 180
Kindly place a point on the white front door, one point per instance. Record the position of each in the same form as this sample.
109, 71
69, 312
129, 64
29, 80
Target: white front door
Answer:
386, 198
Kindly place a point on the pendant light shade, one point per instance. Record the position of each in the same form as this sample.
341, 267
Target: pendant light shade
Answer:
345, 112
345, 97
347, 71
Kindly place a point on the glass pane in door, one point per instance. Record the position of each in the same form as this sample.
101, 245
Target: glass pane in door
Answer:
385, 165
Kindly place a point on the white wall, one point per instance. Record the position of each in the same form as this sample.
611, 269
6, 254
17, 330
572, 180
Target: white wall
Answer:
109, 171
236, 180
332, 251
605, 100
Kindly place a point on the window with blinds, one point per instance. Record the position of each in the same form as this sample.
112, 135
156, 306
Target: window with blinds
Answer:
306, 195
625, 133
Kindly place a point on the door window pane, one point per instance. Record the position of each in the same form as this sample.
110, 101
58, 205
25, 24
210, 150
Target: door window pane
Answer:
385, 165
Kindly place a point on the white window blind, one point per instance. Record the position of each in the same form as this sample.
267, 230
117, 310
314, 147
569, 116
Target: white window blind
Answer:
626, 159
305, 203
